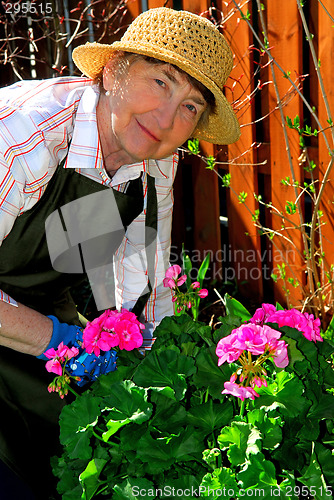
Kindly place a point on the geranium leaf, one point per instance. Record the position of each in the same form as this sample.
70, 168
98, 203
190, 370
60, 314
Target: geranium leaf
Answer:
127, 401
285, 393
220, 480
161, 452
89, 478
313, 476
76, 423
270, 427
185, 486
166, 368
326, 461
113, 426
167, 415
132, 488
210, 416
209, 374
241, 439
257, 473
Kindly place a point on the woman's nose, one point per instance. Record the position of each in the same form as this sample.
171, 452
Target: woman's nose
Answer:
165, 115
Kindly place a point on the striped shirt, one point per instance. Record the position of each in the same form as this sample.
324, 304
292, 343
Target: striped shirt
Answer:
41, 123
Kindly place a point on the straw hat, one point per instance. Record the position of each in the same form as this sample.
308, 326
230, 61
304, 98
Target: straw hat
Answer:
186, 40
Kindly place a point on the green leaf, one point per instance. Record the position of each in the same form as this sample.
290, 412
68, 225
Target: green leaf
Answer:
313, 477
161, 451
234, 307
323, 407
210, 416
326, 461
126, 401
182, 487
166, 368
270, 427
133, 488
285, 393
76, 423
241, 439
329, 333
258, 473
203, 269
89, 478
228, 323
193, 146
187, 266
209, 374
220, 484
113, 426
67, 471
167, 415
174, 331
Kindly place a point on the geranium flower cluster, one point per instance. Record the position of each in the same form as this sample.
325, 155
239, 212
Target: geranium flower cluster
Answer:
173, 280
56, 364
251, 345
303, 322
113, 329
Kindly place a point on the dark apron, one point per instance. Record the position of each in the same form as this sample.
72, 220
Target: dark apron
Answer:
29, 414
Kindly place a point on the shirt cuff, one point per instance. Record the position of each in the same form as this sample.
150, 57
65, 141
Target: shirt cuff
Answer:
6, 298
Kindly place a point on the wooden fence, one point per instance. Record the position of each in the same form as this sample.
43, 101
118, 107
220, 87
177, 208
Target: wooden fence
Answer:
210, 218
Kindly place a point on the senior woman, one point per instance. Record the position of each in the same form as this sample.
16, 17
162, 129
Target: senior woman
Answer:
115, 130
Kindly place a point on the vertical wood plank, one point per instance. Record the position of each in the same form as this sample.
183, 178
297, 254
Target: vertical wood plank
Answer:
205, 186
206, 209
326, 50
284, 34
134, 7
195, 6
243, 236
153, 4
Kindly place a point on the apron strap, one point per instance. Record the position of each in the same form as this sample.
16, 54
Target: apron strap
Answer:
151, 227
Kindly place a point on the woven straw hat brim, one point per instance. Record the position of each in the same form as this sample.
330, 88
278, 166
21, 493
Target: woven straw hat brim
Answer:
221, 127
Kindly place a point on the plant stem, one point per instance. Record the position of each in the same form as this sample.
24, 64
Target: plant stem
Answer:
242, 408
72, 391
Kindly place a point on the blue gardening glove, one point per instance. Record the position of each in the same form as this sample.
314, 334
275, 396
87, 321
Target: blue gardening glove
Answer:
86, 366
89, 367
70, 335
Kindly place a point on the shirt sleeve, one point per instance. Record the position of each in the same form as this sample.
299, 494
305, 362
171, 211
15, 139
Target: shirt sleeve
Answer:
131, 274
10, 204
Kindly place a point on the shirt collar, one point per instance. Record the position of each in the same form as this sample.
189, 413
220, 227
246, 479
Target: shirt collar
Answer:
85, 148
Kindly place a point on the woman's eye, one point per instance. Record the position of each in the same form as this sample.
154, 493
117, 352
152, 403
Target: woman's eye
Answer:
191, 108
160, 82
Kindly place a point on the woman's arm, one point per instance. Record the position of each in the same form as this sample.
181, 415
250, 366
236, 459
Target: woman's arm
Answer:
24, 329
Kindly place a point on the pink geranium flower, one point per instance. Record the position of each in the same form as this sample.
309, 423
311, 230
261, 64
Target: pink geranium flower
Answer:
239, 391
226, 350
251, 338
203, 293
112, 329
196, 284
173, 271
262, 314
54, 366
91, 337
280, 354
59, 357
303, 322
129, 335
172, 279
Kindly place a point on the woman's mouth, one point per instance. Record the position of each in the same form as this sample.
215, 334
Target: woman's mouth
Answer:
147, 132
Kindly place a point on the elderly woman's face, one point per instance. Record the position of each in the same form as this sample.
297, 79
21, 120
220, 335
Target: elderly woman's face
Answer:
153, 109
